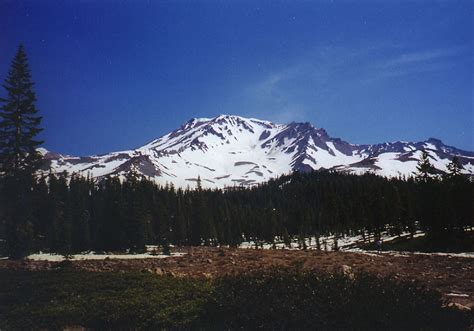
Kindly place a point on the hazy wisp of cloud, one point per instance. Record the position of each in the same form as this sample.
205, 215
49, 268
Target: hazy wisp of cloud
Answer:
293, 92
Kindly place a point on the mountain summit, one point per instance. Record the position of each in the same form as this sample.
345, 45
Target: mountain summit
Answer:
231, 150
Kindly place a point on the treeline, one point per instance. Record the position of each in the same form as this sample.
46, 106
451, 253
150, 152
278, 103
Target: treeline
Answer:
78, 214
72, 214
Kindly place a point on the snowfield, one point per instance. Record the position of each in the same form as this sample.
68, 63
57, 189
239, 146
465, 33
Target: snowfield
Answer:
228, 151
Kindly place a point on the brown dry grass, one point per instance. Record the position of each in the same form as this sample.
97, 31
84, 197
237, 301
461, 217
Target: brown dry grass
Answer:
444, 273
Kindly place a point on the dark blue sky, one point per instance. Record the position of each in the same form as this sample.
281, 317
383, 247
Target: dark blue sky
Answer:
113, 75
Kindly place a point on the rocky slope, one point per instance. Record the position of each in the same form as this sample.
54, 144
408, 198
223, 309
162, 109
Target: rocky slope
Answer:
232, 150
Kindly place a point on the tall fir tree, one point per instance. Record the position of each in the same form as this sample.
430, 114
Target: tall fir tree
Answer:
19, 158
20, 123
454, 168
425, 170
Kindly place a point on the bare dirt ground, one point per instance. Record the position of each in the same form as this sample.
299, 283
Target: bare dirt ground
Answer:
449, 275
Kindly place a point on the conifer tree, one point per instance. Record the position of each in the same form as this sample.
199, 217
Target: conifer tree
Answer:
424, 168
454, 168
286, 238
20, 123
19, 158
166, 250
60, 226
80, 214
41, 211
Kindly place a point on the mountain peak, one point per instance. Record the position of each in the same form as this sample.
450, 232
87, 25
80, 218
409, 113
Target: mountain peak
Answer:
229, 150
435, 141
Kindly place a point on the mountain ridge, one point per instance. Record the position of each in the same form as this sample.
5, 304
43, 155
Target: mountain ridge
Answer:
230, 150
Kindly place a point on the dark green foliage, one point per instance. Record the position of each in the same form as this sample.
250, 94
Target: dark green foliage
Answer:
166, 247
80, 214
55, 299
19, 234
59, 228
454, 168
115, 216
19, 123
425, 169
279, 299
19, 158
294, 300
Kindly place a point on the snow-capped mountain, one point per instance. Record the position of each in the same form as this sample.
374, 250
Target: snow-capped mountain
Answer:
231, 150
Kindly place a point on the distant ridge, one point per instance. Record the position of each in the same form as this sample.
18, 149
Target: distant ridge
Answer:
230, 150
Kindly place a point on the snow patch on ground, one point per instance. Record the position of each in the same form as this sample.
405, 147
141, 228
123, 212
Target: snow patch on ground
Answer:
345, 243
406, 254
460, 295
349, 243
92, 256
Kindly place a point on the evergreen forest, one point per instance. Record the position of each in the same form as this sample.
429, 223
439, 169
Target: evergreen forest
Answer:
76, 214
67, 213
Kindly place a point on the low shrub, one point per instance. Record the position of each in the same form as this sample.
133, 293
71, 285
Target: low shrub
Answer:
55, 299
289, 299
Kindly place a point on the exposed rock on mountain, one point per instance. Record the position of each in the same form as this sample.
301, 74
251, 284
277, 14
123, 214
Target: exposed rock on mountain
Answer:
232, 150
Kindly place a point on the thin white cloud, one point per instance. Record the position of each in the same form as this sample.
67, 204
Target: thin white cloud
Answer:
416, 62
422, 57
294, 91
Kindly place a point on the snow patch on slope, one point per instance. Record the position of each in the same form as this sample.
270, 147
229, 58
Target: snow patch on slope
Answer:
229, 150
